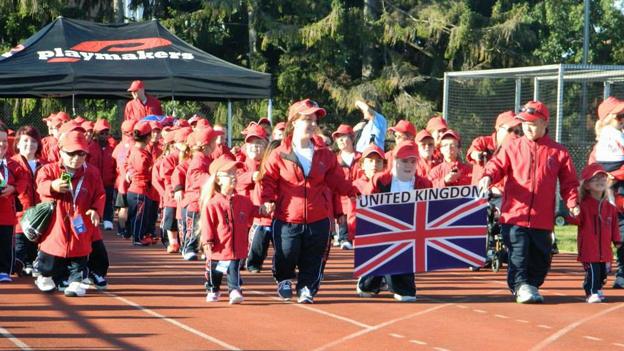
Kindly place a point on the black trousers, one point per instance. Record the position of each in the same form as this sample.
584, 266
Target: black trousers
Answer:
301, 246
595, 277
215, 271
190, 242
57, 267
260, 238
139, 216
25, 250
7, 249
400, 284
529, 255
619, 253
343, 232
108, 206
98, 259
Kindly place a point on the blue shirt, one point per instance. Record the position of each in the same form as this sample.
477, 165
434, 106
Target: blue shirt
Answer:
377, 126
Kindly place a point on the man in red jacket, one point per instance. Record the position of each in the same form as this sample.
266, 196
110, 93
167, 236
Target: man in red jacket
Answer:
141, 104
532, 164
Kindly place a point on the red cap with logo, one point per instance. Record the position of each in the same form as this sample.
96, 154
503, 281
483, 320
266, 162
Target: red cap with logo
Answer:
373, 149
422, 135
143, 128
591, 170
343, 129
73, 141
507, 118
255, 131
305, 107
223, 164
610, 105
100, 125
436, 123
406, 149
532, 111
136, 85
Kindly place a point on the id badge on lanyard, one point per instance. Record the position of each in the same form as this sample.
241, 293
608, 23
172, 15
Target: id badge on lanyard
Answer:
77, 221
5, 174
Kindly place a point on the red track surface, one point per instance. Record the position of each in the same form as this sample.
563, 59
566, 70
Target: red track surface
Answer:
156, 302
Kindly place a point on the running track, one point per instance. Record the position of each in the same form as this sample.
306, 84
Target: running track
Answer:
156, 302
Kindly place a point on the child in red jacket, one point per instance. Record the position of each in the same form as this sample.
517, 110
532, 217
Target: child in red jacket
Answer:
225, 218
597, 229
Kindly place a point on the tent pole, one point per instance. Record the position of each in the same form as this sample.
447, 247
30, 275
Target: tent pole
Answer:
270, 111
229, 122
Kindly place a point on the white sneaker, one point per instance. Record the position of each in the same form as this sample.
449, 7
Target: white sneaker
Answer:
305, 296
404, 298
108, 225
213, 296
45, 284
236, 297
75, 289
190, 256
346, 245
594, 298
528, 294
99, 282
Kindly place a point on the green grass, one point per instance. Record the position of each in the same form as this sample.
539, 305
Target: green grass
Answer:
566, 238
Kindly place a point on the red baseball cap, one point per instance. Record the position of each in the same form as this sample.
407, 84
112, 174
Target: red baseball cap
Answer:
155, 125
143, 127
136, 85
610, 105
532, 111
306, 107
72, 125
422, 135
406, 149
169, 137
55, 121
73, 141
204, 136
202, 123
264, 120
100, 125
182, 134
452, 134
63, 116
343, 129
404, 126
436, 123
507, 118
223, 164
280, 126
255, 131
79, 119
182, 123
373, 149
87, 125
194, 119
591, 170
128, 126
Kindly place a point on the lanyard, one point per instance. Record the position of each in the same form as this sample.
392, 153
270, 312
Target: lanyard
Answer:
78, 187
5, 173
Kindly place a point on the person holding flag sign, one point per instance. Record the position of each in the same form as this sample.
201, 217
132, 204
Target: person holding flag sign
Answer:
532, 164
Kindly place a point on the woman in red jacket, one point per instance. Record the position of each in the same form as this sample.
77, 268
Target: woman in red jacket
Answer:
296, 177
12, 181
141, 194
79, 206
225, 218
27, 156
597, 229
120, 154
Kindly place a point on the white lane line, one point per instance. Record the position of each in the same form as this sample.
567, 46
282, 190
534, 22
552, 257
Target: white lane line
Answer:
544, 326
399, 336
617, 344
462, 306
440, 349
418, 342
174, 322
563, 331
522, 321
502, 316
19, 343
379, 326
479, 311
316, 310
593, 338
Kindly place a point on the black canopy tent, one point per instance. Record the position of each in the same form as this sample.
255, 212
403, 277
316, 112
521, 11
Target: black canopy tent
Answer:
73, 57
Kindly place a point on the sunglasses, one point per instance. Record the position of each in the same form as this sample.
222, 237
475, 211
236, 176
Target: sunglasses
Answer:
514, 130
75, 153
529, 110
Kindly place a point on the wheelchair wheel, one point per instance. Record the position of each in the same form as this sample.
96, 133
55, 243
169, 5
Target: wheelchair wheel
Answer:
496, 264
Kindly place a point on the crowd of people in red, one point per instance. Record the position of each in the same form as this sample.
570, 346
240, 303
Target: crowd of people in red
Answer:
286, 187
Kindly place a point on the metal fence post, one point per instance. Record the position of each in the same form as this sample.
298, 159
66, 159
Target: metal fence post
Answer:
229, 119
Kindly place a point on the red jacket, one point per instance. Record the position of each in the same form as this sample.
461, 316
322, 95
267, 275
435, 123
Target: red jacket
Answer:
344, 204
136, 110
301, 199
167, 167
245, 186
532, 169
485, 144
157, 182
120, 154
225, 223
18, 178
437, 174
220, 150
60, 240
382, 183
102, 158
139, 165
50, 149
28, 196
196, 176
178, 182
597, 229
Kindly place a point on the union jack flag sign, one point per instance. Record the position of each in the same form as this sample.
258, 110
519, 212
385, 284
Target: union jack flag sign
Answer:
420, 230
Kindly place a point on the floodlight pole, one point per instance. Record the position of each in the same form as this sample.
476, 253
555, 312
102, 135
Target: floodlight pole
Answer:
536, 84
445, 98
229, 123
586, 33
270, 111
559, 104
517, 102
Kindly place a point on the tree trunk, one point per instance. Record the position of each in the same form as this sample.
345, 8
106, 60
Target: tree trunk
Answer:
371, 56
253, 35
